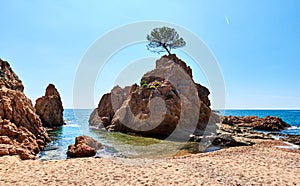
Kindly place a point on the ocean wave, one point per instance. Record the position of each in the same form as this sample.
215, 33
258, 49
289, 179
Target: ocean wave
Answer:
67, 121
294, 128
72, 125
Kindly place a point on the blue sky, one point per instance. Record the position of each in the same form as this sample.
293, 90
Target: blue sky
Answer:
256, 43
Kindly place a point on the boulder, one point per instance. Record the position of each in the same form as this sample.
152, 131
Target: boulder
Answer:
268, 123
84, 146
166, 102
50, 108
226, 140
21, 130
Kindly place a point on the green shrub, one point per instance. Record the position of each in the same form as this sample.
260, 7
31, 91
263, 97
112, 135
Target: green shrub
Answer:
152, 87
144, 85
143, 82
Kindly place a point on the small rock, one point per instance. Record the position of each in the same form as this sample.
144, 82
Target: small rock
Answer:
84, 146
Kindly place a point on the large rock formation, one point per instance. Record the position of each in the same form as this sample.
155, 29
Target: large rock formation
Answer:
84, 146
8, 78
167, 102
49, 108
21, 130
267, 123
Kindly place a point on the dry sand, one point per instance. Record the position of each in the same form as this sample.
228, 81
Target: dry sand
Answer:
261, 164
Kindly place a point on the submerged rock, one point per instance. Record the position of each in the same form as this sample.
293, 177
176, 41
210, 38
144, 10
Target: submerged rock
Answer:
166, 102
49, 108
84, 146
21, 130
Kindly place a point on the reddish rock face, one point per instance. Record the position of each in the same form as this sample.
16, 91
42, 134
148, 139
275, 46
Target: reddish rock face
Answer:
135, 115
138, 109
8, 78
21, 130
84, 146
182, 64
267, 123
49, 108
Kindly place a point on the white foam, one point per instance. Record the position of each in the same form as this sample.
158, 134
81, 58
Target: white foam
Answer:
293, 128
72, 125
289, 146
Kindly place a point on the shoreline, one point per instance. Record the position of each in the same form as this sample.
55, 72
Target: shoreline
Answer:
262, 163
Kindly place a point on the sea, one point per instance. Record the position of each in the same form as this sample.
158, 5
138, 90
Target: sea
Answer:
122, 145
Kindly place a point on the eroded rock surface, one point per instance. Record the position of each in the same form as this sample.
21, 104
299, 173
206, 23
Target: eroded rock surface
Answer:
268, 123
84, 146
50, 108
167, 101
8, 78
21, 130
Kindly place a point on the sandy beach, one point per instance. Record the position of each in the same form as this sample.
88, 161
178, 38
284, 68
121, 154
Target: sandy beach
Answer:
261, 164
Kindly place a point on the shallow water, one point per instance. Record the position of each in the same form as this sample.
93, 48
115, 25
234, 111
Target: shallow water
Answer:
123, 145
116, 144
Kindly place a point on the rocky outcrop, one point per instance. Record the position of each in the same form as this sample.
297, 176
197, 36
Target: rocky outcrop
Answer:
295, 139
267, 123
8, 78
166, 102
181, 63
84, 146
149, 111
243, 132
18, 141
49, 108
227, 140
244, 128
21, 130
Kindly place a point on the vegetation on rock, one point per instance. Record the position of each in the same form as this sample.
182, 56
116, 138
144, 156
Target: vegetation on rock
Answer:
164, 39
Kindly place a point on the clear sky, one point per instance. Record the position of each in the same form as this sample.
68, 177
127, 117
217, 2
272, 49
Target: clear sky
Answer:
256, 43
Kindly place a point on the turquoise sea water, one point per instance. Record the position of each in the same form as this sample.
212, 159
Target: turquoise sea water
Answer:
123, 145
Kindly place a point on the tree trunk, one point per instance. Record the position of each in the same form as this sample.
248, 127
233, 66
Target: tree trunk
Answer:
167, 49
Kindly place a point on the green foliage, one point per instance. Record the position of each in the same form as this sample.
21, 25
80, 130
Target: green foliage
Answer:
143, 82
152, 87
164, 39
145, 85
